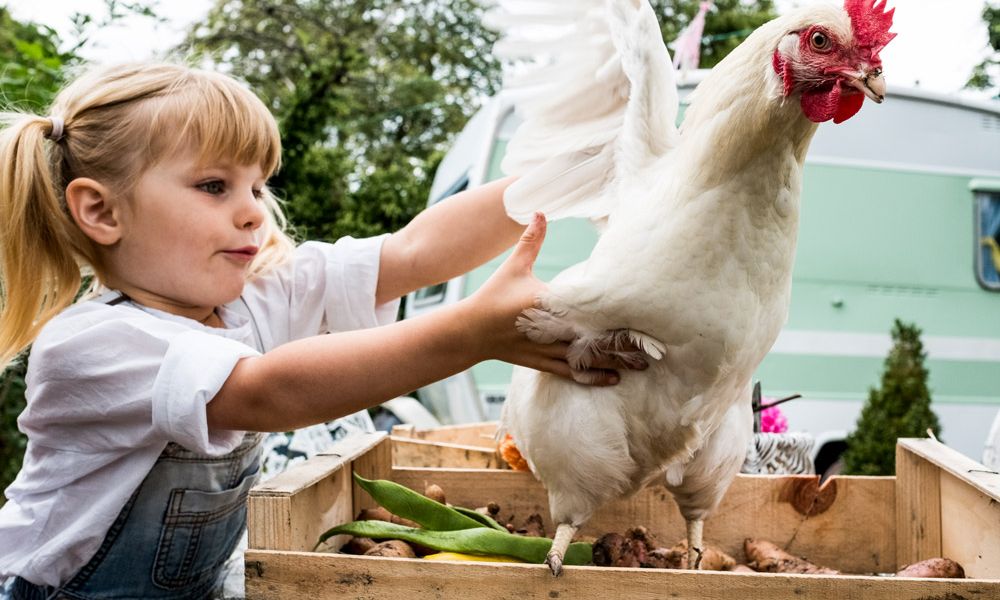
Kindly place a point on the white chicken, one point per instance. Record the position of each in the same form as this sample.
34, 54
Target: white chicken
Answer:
698, 235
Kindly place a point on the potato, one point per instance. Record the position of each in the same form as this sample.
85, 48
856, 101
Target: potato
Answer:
933, 567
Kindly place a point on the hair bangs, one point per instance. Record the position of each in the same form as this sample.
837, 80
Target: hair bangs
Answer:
219, 120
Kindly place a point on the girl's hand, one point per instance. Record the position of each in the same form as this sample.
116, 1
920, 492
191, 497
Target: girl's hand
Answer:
494, 309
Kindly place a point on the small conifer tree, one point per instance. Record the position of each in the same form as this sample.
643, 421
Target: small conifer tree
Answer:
901, 407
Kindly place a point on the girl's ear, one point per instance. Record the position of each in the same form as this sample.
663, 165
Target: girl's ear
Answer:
94, 210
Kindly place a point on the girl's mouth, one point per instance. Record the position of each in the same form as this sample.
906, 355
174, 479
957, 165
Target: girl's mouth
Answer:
244, 254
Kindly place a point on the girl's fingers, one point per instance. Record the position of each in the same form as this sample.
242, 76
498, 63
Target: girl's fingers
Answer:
527, 248
595, 377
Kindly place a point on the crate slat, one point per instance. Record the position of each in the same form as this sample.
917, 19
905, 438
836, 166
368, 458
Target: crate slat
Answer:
274, 575
290, 511
408, 452
471, 434
947, 505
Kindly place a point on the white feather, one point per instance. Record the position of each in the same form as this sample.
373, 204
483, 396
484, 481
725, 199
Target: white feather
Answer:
586, 107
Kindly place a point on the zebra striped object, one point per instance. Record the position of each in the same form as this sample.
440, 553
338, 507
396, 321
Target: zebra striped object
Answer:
780, 453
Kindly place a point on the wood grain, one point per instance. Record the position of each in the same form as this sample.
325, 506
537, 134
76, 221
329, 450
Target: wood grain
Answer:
279, 575
408, 452
470, 434
290, 511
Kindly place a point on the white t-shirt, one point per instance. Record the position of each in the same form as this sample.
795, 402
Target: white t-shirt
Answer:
109, 386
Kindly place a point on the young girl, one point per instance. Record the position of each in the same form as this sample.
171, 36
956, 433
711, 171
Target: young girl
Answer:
206, 324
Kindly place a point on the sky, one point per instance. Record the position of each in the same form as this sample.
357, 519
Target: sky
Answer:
939, 41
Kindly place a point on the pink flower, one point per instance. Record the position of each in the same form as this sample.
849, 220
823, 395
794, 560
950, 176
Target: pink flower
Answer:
771, 419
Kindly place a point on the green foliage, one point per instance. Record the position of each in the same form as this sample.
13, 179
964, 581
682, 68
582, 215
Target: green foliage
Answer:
12, 442
900, 408
367, 93
32, 64
726, 26
986, 75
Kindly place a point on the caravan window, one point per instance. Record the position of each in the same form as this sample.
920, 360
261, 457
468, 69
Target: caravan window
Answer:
988, 239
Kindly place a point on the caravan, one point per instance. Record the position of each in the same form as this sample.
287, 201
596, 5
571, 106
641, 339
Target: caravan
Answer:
900, 219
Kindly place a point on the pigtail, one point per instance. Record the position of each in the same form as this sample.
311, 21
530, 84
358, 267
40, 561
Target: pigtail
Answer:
39, 273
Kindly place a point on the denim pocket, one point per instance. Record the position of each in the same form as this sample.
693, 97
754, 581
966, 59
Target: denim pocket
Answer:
200, 531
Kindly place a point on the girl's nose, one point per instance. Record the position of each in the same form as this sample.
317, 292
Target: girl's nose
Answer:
252, 214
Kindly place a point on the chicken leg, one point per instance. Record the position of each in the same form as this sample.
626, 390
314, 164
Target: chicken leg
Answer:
694, 528
560, 543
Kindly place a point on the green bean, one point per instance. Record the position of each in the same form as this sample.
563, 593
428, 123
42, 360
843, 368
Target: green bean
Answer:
404, 502
481, 541
483, 519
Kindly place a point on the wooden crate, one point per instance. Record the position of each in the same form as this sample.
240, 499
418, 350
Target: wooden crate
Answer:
939, 504
469, 446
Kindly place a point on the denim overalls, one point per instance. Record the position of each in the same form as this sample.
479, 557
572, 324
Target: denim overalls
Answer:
174, 534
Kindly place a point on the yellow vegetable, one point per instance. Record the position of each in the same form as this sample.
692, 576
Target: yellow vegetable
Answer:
470, 557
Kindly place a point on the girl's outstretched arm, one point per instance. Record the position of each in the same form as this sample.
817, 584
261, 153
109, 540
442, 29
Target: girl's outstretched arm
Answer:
452, 237
324, 377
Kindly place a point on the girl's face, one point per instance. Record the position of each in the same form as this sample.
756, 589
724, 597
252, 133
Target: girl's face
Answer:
189, 235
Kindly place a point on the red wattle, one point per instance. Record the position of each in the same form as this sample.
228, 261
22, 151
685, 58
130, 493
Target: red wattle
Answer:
820, 105
834, 103
849, 106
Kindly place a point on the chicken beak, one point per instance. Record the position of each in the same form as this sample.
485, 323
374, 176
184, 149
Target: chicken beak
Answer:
871, 83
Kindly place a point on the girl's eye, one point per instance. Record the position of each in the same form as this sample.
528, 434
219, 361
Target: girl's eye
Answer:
213, 187
258, 194
820, 41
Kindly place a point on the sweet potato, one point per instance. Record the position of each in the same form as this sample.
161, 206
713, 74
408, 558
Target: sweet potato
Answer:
766, 557
380, 514
639, 548
358, 545
933, 567
712, 559
392, 548
434, 492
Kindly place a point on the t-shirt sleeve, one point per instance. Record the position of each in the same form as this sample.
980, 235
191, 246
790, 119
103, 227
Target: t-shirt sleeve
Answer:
325, 288
194, 368
120, 383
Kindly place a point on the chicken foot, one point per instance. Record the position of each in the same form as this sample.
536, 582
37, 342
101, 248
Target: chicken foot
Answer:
694, 549
626, 348
560, 543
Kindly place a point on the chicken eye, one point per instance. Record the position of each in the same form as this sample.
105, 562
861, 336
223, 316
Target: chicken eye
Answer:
820, 41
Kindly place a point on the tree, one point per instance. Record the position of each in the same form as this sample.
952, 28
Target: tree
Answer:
726, 25
901, 407
986, 75
367, 94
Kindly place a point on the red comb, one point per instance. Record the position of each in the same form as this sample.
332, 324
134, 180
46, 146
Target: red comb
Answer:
871, 23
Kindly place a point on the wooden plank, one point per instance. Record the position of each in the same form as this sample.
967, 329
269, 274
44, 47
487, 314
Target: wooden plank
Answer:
374, 463
970, 528
955, 499
786, 510
470, 434
290, 511
408, 452
280, 575
972, 473
918, 506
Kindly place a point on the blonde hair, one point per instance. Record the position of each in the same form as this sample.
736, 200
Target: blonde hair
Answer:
118, 122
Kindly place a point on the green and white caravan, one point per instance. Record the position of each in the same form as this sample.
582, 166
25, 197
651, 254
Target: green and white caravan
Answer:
900, 219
